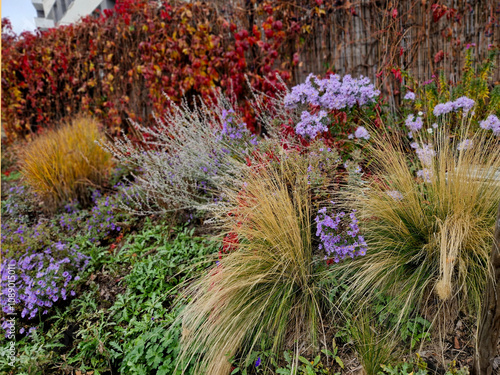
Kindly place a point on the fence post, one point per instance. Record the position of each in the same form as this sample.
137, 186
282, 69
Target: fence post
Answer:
489, 325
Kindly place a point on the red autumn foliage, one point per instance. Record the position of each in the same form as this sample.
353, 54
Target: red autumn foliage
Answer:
119, 65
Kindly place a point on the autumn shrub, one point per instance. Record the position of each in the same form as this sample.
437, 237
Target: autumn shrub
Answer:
61, 165
428, 219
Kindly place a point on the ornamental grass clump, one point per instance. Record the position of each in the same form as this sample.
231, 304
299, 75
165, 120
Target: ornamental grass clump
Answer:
429, 232
61, 165
268, 285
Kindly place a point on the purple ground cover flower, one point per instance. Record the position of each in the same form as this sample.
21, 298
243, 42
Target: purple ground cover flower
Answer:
39, 279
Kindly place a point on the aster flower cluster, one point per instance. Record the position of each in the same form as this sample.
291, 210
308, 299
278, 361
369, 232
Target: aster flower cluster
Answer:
414, 124
311, 125
425, 154
339, 235
491, 123
332, 93
409, 96
103, 220
463, 103
362, 133
36, 281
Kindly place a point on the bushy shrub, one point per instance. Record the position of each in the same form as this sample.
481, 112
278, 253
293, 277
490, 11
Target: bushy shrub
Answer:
186, 159
63, 164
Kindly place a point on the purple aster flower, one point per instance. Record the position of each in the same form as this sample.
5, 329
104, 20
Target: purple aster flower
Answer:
414, 124
311, 125
465, 103
426, 174
361, 132
491, 123
425, 154
409, 96
59, 245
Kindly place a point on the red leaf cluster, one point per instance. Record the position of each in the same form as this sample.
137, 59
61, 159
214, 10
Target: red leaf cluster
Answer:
118, 66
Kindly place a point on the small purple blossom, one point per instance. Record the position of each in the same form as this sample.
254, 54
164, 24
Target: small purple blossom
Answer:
414, 124
409, 96
361, 132
491, 123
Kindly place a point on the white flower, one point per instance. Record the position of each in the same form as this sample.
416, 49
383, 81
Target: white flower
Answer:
420, 113
429, 130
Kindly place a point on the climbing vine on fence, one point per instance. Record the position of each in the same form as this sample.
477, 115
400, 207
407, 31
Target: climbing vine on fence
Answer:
119, 65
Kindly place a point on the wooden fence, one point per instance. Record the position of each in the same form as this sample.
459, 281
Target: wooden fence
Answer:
365, 37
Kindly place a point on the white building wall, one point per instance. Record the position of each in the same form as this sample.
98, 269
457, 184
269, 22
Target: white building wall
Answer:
52, 13
47, 6
77, 9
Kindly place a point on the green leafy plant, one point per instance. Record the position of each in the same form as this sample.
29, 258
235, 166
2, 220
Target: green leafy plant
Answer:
306, 367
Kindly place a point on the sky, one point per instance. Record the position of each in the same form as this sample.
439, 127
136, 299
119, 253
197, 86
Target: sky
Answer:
21, 14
